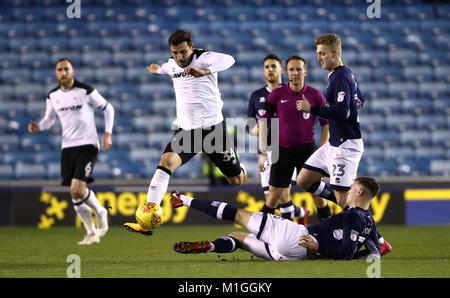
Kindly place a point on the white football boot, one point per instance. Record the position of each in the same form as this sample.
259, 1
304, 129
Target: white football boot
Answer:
89, 239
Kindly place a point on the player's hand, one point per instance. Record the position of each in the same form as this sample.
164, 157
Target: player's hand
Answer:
106, 141
303, 105
153, 68
196, 72
262, 161
307, 242
33, 127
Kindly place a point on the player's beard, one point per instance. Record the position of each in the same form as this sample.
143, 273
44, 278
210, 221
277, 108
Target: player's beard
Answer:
66, 83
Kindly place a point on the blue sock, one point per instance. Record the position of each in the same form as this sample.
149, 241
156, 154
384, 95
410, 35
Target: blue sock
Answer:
216, 209
225, 244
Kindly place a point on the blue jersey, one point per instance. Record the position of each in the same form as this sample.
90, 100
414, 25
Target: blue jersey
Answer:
256, 104
343, 100
342, 235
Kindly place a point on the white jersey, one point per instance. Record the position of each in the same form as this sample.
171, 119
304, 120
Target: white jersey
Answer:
198, 100
75, 110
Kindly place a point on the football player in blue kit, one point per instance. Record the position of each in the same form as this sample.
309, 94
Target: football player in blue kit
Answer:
340, 236
339, 158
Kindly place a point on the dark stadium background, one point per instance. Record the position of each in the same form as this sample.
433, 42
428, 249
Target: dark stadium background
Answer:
401, 61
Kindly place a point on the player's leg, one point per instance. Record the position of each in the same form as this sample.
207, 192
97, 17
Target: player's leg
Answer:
216, 209
174, 156
83, 210
220, 148
86, 156
343, 167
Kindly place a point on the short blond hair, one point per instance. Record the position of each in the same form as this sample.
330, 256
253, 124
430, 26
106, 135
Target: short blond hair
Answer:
331, 40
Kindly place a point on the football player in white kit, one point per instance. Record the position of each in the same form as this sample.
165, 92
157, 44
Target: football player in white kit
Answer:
199, 116
74, 102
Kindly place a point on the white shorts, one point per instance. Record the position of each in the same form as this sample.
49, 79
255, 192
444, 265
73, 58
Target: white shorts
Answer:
265, 176
338, 163
275, 238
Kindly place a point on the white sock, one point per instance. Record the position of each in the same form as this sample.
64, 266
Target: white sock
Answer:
84, 213
186, 200
92, 202
158, 186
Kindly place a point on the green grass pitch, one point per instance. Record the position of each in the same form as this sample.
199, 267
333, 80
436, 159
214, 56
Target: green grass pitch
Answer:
30, 252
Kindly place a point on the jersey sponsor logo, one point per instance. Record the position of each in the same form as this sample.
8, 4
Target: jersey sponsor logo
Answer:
341, 96
179, 75
70, 108
262, 99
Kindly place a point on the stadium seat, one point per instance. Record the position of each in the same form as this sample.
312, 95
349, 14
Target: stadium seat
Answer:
398, 153
414, 167
29, 171
102, 170
6, 171
143, 155
400, 122
440, 167
415, 138
382, 168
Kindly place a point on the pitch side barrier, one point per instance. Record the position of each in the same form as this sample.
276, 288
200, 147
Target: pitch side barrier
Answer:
45, 204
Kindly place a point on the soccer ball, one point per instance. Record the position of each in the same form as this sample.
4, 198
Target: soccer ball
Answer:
149, 215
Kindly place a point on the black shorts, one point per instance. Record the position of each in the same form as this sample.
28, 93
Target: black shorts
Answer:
288, 160
214, 141
78, 162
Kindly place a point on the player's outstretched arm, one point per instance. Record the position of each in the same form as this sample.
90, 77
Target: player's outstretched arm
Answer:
153, 68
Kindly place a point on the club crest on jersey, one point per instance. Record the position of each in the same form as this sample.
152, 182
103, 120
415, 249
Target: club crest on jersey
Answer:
261, 112
306, 115
262, 99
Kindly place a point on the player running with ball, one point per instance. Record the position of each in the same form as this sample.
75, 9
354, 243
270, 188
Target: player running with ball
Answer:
199, 116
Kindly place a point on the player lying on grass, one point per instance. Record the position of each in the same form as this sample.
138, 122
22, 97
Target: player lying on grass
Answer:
273, 238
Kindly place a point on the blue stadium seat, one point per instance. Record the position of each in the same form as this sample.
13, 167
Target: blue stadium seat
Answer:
440, 167
30, 171
382, 168
418, 107
130, 140
151, 124
96, 60
6, 171
126, 170
192, 169
400, 122
414, 167
383, 138
159, 139
34, 142
47, 156
441, 138
398, 153
144, 154
431, 122
110, 155
386, 106
102, 170
14, 157
415, 138
430, 152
